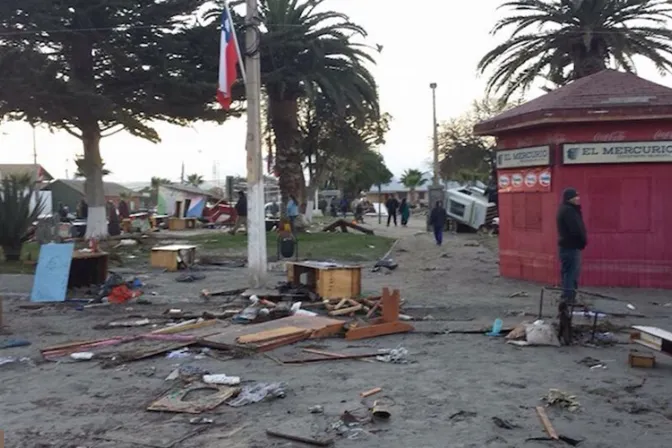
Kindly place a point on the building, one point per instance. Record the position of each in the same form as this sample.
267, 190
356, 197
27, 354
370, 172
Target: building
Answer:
36, 172
184, 201
396, 188
608, 135
70, 192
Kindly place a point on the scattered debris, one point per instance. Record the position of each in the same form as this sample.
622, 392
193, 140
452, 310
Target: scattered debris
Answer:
201, 421
504, 424
301, 439
370, 392
189, 277
12, 343
221, 379
519, 294
254, 393
640, 359
175, 401
343, 225
82, 356
633, 387
589, 361
397, 355
548, 428
556, 397
13, 359
461, 416
541, 333
317, 409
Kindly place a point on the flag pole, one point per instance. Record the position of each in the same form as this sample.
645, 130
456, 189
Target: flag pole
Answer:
241, 61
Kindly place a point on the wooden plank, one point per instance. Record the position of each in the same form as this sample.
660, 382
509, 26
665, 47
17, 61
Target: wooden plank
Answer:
301, 439
341, 304
268, 335
281, 342
548, 427
381, 329
654, 331
346, 311
370, 392
319, 326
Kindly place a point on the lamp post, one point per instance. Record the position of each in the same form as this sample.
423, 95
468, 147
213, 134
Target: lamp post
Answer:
436, 192
435, 142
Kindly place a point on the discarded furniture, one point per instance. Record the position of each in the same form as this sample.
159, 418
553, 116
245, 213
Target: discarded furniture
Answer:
571, 308
173, 257
181, 223
126, 225
641, 359
343, 224
88, 268
328, 280
389, 323
652, 337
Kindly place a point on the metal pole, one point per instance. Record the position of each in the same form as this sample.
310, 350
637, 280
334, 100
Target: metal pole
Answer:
34, 146
380, 204
256, 223
435, 137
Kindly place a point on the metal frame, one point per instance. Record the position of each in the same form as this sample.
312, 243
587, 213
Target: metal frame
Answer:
573, 306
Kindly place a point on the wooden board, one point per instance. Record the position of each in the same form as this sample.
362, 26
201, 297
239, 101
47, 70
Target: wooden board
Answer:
320, 327
267, 335
546, 422
653, 338
175, 401
53, 271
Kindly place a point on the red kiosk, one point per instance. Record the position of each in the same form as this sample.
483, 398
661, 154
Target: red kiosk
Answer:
608, 135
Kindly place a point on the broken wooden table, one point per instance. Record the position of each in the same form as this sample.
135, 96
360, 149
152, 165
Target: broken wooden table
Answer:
328, 280
389, 323
653, 338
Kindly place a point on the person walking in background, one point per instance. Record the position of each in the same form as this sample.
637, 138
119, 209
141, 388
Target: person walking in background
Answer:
405, 212
124, 212
392, 205
82, 210
292, 212
438, 219
241, 211
344, 207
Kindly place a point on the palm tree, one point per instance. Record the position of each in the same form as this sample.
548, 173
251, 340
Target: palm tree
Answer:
195, 180
562, 40
306, 51
155, 183
413, 179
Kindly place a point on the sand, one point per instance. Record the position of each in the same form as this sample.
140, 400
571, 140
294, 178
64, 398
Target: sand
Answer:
471, 378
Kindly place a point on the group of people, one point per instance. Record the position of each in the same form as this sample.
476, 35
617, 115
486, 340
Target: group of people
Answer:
394, 207
241, 212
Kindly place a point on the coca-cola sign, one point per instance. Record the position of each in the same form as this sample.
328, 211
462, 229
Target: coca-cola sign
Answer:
616, 136
662, 135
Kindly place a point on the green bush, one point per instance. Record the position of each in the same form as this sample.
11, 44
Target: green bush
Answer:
16, 217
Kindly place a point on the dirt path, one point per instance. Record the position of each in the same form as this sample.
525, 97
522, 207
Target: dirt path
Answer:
446, 397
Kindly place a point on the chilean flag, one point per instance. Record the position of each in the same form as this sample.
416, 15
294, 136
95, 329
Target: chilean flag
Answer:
228, 58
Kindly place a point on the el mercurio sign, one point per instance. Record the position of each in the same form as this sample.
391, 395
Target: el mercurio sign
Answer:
617, 152
524, 157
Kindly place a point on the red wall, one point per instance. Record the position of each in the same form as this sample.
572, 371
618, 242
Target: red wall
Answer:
627, 209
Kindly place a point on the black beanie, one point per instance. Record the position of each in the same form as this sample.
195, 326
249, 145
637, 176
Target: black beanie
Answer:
569, 194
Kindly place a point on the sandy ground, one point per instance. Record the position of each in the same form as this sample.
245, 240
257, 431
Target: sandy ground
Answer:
74, 404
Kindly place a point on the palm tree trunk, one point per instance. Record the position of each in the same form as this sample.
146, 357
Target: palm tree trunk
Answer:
284, 120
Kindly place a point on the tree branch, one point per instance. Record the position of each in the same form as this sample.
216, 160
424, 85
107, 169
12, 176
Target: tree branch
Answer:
111, 133
72, 132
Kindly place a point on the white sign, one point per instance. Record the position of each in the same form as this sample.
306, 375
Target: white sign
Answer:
617, 152
518, 158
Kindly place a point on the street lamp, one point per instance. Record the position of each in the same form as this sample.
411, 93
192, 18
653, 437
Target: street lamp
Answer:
435, 137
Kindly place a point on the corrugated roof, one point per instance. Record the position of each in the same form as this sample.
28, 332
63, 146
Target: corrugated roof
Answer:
187, 189
9, 169
599, 94
109, 188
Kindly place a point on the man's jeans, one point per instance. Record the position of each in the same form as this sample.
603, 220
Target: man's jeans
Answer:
570, 269
438, 234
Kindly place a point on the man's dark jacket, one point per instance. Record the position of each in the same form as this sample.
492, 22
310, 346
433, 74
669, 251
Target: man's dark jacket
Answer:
438, 217
241, 206
571, 229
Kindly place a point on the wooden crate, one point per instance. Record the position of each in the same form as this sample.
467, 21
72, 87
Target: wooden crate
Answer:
181, 223
88, 268
170, 257
641, 359
329, 281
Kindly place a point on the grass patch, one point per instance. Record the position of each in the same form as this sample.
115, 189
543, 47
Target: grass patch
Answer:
29, 254
318, 246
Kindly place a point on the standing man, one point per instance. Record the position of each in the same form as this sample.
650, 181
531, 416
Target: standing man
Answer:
572, 239
438, 219
392, 205
241, 211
